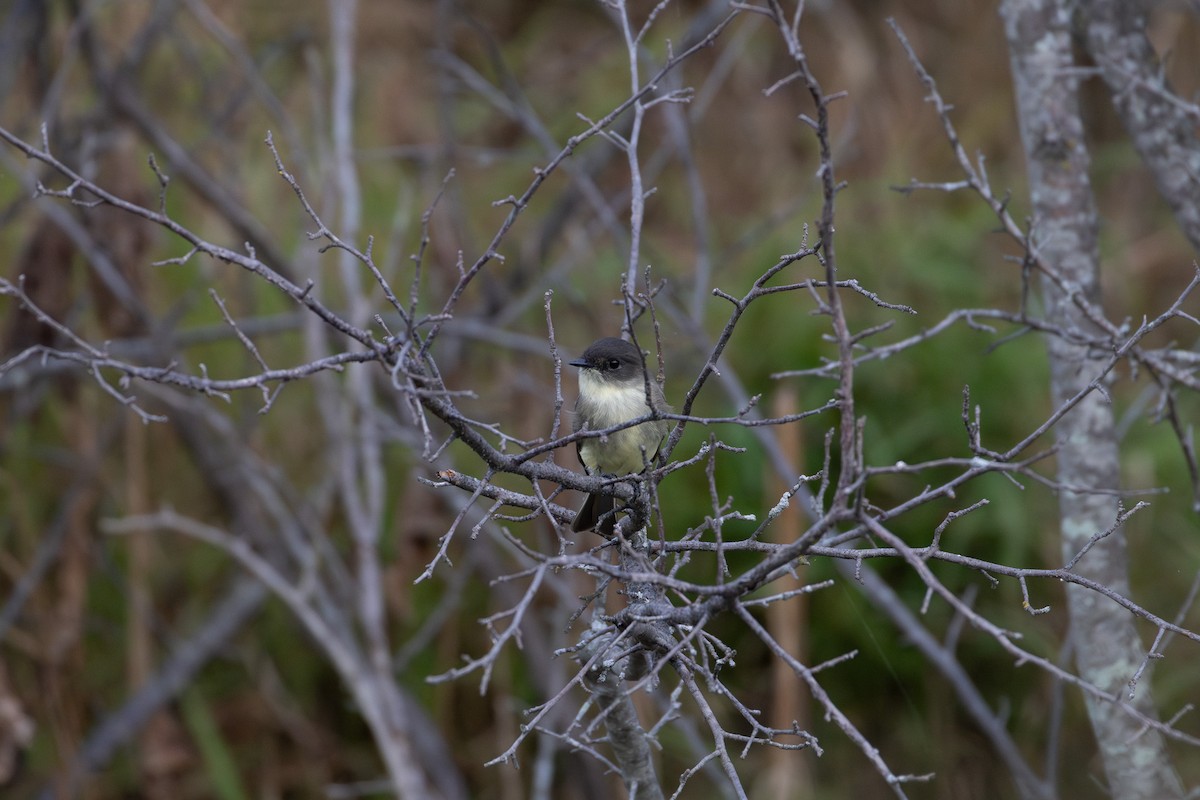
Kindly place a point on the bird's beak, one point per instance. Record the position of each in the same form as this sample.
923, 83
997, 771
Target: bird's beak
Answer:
579, 362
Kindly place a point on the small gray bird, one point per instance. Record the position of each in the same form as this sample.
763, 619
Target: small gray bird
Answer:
612, 390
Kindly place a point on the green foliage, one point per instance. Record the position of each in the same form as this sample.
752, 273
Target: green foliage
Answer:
221, 765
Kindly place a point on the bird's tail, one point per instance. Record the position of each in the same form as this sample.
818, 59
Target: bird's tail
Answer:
597, 509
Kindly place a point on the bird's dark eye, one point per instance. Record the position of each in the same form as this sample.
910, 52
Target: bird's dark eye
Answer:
613, 363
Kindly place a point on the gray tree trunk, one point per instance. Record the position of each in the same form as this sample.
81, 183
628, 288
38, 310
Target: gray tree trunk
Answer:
1106, 644
1160, 127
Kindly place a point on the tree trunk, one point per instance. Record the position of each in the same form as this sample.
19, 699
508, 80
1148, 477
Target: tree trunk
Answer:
1107, 647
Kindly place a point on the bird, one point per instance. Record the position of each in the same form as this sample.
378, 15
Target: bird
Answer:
613, 388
